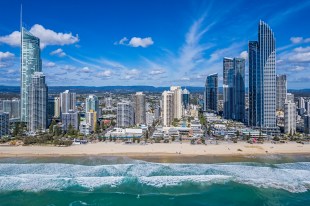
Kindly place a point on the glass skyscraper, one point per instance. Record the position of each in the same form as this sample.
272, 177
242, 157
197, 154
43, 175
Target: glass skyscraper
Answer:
30, 63
211, 92
234, 88
262, 79
37, 103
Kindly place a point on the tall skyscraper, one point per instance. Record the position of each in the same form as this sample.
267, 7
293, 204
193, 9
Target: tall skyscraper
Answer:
239, 89
234, 89
91, 119
281, 91
50, 110
92, 103
262, 79
211, 92
57, 107
125, 116
177, 95
30, 63
167, 109
140, 111
37, 103
4, 124
185, 98
289, 118
254, 84
301, 103
67, 101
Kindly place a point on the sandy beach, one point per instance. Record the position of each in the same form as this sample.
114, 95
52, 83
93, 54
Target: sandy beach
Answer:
160, 149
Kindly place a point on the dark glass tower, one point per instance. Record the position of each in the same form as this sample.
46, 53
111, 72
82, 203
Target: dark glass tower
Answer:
262, 79
211, 91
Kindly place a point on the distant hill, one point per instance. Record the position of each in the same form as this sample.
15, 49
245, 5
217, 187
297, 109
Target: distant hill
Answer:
128, 89
86, 89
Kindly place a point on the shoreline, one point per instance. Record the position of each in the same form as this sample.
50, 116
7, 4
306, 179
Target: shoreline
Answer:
156, 150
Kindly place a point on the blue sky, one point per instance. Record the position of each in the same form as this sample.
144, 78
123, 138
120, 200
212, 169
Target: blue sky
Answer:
154, 42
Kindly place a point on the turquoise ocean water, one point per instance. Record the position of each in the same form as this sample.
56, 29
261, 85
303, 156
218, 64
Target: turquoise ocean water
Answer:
124, 181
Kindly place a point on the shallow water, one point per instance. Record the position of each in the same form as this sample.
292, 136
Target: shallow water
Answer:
123, 181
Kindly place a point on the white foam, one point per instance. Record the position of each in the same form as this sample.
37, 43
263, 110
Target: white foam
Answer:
164, 181
293, 177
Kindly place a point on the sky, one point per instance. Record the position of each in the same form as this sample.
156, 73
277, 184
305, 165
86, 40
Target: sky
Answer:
151, 42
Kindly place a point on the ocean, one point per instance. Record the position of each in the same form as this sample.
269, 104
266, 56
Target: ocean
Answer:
77, 181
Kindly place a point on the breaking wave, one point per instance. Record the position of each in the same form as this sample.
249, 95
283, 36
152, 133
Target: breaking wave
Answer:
151, 177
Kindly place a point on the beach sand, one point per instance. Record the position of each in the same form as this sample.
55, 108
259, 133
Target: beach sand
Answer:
159, 149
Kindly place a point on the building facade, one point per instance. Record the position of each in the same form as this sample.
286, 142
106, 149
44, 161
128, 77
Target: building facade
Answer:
92, 103
167, 109
177, 105
57, 107
281, 91
289, 118
70, 118
37, 103
140, 108
67, 101
91, 119
125, 114
185, 98
4, 124
262, 79
211, 93
12, 107
234, 89
30, 63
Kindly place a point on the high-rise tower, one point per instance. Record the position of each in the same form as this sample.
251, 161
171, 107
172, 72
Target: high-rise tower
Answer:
262, 79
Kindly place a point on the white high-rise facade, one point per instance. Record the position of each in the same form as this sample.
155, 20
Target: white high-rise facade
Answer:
290, 118
67, 101
167, 110
30, 63
177, 95
57, 107
37, 103
125, 114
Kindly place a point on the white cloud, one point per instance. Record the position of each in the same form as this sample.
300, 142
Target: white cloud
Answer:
298, 68
302, 49
133, 72
58, 52
86, 70
143, 42
49, 64
136, 42
298, 40
105, 74
6, 55
12, 39
300, 57
157, 72
46, 36
244, 55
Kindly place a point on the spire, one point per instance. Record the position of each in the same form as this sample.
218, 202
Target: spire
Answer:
21, 17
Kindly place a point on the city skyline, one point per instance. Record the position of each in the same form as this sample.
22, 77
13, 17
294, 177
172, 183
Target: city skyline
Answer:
139, 47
